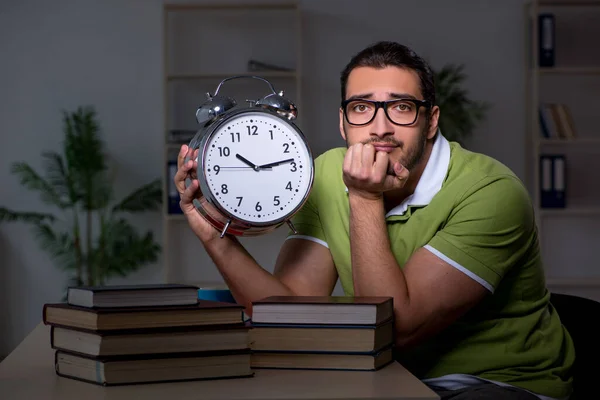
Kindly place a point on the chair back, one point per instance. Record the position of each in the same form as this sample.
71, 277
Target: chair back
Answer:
579, 315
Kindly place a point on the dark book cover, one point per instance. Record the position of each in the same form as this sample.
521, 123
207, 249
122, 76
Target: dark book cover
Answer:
202, 304
115, 288
328, 300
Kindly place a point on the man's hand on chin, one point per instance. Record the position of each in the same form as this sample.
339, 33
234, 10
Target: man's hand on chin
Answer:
369, 173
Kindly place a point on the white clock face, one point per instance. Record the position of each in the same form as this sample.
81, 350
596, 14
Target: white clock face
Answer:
257, 167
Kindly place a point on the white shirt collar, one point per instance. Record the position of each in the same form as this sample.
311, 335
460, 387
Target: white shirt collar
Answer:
432, 179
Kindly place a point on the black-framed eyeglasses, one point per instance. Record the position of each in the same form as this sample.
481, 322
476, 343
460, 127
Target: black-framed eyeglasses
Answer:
399, 111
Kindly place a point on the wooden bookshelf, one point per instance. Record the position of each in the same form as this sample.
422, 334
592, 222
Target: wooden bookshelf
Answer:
573, 80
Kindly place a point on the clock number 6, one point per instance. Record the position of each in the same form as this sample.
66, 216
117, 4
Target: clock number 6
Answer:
258, 207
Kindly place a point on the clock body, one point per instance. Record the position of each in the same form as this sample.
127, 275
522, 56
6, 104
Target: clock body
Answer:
255, 171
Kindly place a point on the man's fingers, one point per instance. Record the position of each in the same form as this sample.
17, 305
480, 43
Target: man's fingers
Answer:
181, 156
401, 172
380, 167
367, 157
398, 180
356, 159
181, 174
189, 194
347, 167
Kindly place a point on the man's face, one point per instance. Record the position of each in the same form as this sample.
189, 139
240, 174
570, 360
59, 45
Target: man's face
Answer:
403, 143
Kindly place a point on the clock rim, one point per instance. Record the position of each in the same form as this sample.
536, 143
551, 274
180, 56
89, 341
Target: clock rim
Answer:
205, 189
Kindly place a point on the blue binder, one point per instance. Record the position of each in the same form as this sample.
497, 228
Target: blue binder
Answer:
553, 181
546, 39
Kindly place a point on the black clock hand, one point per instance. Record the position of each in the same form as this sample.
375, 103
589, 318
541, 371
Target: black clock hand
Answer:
245, 160
274, 164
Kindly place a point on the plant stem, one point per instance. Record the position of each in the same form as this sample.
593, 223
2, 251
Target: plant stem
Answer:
90, 264
77, 243
101, 251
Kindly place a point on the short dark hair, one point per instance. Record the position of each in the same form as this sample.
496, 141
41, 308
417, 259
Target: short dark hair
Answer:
383, 54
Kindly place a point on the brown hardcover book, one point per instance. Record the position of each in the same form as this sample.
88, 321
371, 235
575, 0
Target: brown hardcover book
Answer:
146, 341
153, 368
132, 295
319, 338
324, 360
205, 312
323, 310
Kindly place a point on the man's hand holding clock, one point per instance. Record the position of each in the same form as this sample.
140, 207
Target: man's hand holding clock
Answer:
188, 169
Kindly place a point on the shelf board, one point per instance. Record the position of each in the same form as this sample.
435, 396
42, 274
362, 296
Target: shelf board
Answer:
567, 142
565, 3
225, 6
174, 146
592, 281
570, 212
568, 70
219, 75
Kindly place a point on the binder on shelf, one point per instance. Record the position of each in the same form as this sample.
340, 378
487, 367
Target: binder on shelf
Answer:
546, 43
552, 181
556, 121
173, 195
546, 130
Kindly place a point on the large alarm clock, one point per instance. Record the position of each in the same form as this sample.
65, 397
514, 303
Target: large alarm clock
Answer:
255, 167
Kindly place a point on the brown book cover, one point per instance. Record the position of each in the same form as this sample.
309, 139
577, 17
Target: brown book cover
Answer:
140, 295
153, 368
144, 341
205, 312
348, 361
322, 338
351, 310
341, 300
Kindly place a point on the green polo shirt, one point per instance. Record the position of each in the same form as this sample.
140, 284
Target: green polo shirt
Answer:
474, 213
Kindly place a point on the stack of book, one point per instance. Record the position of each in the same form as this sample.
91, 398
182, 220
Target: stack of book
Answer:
146, 333
341, 333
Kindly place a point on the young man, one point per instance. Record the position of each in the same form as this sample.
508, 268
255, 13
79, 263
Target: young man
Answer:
402, 212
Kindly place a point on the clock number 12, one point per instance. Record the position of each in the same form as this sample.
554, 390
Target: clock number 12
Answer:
252, 130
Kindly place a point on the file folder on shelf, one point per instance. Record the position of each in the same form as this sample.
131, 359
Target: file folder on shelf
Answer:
546, 43
552, 181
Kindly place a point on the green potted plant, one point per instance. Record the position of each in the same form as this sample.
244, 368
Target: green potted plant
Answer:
90, 237
458, 113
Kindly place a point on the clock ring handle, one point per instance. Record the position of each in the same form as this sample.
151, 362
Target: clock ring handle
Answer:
245, 76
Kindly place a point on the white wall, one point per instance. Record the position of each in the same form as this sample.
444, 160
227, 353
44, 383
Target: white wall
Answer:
62, 54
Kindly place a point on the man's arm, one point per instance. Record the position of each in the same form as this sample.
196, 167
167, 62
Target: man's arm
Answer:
302, 268
429, 294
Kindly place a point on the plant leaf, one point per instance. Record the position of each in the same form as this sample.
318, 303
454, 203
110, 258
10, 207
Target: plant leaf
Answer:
60, 246
84, 152
144, 198
33, 181
101, 192
58, 176
7, 215
459, 115
125, 250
